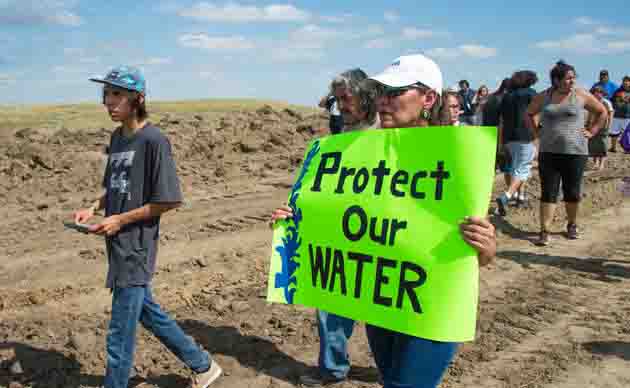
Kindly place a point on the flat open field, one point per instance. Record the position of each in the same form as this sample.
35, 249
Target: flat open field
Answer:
554, 317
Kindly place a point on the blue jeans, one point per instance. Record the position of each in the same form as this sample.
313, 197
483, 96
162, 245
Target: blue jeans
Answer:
133, 304
409, 362
334, 333
522, 156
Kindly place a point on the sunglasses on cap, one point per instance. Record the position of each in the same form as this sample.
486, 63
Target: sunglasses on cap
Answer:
393, 92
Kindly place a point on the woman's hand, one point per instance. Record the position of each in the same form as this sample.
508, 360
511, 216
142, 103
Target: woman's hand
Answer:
479, 233
281, 213
587, 134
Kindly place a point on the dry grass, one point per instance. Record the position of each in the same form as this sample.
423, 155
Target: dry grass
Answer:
83, 116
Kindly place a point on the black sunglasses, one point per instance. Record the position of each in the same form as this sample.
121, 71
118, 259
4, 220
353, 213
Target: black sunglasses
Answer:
392, 92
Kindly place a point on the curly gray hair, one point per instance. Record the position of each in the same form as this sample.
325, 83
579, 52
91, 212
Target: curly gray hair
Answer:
354, 80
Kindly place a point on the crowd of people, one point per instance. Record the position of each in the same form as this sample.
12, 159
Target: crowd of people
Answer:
560, 128
562, 125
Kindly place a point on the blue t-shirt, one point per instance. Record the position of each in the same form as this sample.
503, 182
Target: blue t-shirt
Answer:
140, 170
608, 86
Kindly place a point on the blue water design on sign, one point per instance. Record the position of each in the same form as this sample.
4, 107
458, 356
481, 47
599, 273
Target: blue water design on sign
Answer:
288, 251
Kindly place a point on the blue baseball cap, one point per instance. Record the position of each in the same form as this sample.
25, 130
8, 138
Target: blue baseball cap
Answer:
126, 77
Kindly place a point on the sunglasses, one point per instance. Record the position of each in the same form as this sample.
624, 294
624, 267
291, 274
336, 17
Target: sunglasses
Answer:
391, 92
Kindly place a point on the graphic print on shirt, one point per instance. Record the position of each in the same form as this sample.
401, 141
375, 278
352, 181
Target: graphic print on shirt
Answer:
120, 166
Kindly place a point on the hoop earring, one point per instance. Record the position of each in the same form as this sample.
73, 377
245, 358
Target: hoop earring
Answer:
425, 115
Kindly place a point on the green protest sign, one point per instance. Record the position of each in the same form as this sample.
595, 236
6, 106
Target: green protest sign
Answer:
375, 233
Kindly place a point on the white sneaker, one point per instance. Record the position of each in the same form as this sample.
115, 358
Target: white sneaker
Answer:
203, 380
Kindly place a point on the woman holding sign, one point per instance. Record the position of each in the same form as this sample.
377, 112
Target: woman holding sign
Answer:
408, 94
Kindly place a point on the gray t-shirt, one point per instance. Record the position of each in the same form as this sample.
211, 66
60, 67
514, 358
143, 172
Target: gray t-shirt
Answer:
140, 170
562, 126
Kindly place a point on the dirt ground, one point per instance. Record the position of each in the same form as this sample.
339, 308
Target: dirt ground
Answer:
549, 317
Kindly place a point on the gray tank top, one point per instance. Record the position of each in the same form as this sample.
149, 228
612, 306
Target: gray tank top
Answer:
562, 126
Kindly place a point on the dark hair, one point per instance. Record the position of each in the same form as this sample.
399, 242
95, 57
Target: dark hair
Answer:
523, 79
599, 89
141, 107
464, 82
558, 72
506, 84
626, 78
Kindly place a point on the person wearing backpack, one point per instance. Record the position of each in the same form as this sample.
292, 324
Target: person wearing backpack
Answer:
517, 137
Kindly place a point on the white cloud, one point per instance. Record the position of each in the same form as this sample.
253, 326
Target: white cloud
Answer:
66, 18
465, 50
391, 16
69, 69
312, 36
345, 18
412, 33
89, 60
34, 12
6, 79
377, 44
210, 75
289, 54
154, 61
443, 53
585, 21
478, 51
73, 51
374, 29
585, 44
619, 46
204, 41
236, 13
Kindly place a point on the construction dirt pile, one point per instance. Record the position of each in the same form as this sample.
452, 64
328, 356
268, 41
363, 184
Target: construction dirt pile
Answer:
549, 317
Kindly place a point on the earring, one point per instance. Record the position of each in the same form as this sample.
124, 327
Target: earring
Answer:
425, 115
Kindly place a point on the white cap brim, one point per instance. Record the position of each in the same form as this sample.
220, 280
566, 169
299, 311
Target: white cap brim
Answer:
396, 80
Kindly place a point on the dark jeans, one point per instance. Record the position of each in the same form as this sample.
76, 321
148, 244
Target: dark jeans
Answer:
133, 304
556, 168
334, 333
409, 362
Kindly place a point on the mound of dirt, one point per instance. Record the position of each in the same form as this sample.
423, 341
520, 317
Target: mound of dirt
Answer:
237, 146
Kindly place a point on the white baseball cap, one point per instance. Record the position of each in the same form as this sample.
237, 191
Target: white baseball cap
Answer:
411, 69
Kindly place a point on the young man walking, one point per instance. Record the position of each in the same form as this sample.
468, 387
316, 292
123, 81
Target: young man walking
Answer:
140, 184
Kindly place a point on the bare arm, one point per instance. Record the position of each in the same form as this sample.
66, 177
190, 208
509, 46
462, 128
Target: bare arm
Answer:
148, 211
596, 109
111, 225
533, 111
84, 215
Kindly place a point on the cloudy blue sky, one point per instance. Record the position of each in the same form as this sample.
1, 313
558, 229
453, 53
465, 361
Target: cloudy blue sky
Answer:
290, 50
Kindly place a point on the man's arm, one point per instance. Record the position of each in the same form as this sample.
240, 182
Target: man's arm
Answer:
111, 225
84, 215
148, 211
